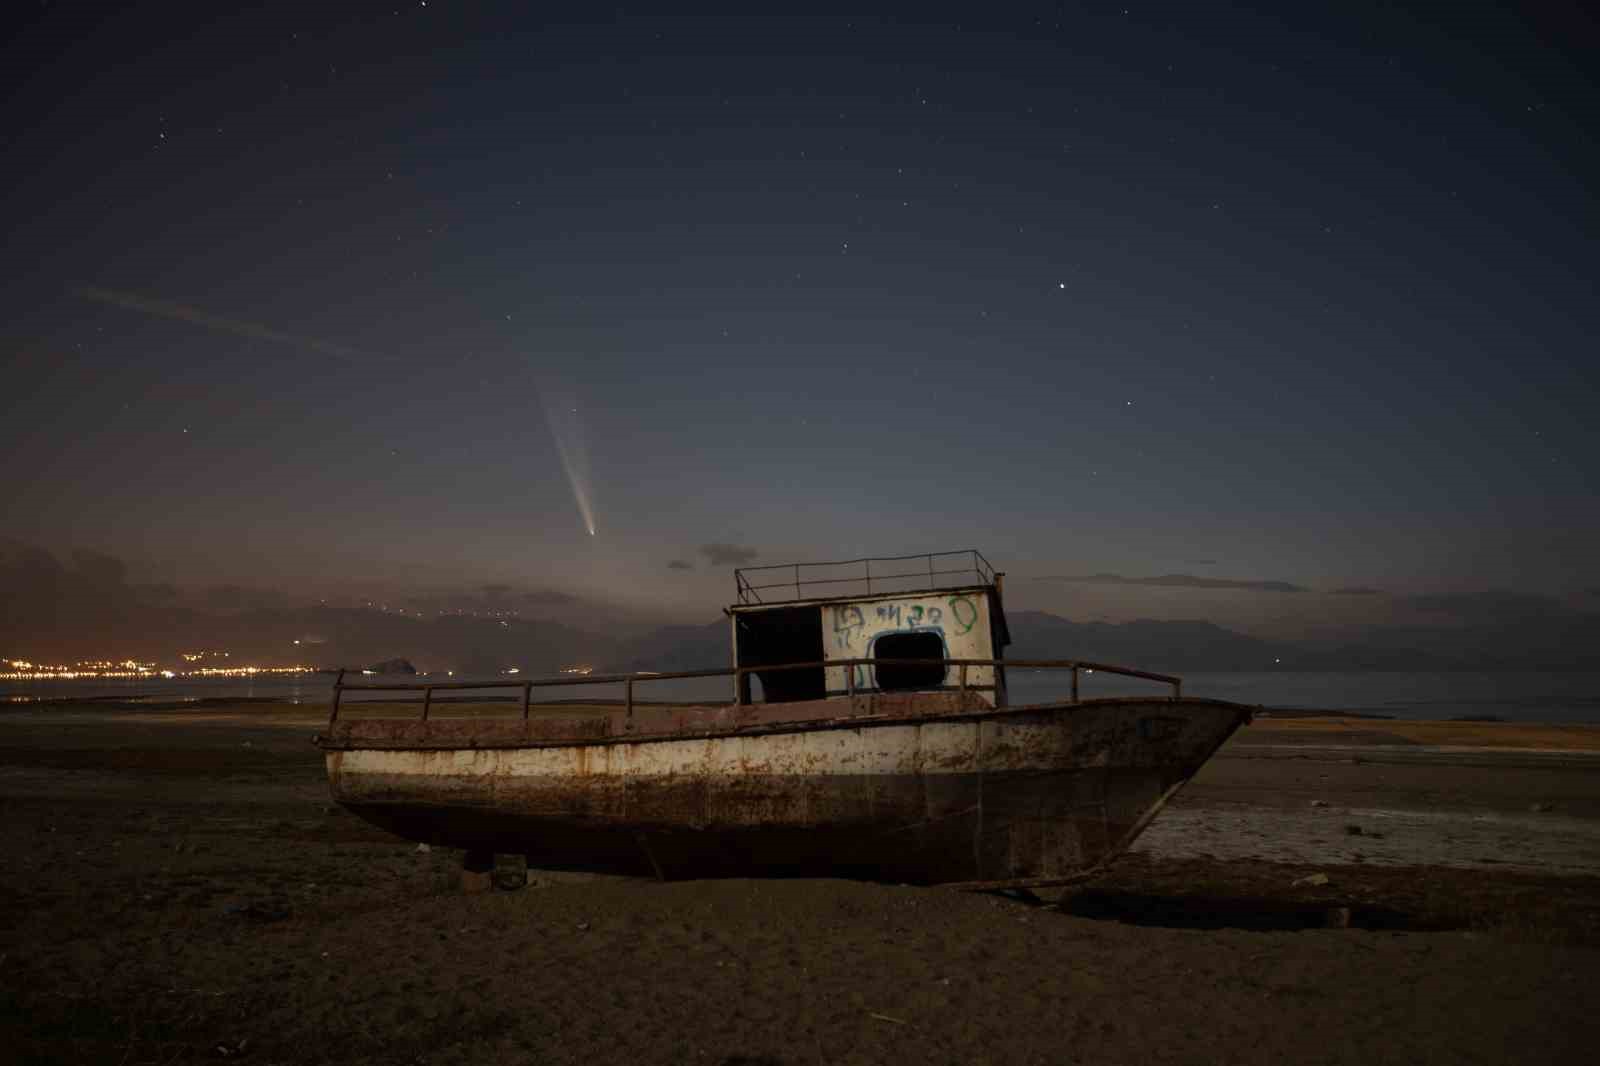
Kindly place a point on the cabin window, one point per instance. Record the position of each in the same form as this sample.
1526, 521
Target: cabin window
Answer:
783, 635
892, 676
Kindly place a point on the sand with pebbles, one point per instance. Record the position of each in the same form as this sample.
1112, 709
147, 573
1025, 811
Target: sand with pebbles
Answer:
177, 888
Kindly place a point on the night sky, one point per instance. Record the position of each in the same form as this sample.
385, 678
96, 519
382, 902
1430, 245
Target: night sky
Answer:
360, 296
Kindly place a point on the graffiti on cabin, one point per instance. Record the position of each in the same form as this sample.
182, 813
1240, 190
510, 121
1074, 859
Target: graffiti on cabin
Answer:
849, 620
852, 629
914, 617
963, 612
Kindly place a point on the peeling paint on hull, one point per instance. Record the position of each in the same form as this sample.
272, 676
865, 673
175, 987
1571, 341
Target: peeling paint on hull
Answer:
1020, 796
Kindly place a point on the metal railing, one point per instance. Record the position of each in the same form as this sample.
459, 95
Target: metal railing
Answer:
753, 580
741, 673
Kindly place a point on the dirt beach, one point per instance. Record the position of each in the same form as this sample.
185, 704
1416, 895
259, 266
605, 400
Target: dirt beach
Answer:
177, 888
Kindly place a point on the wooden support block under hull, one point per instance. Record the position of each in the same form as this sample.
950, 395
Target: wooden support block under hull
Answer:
476, 868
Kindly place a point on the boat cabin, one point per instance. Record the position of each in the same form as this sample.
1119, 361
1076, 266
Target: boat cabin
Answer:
885, 624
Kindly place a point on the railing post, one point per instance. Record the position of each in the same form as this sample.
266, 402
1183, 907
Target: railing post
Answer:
427, 701
869, 576
797, 581
930, 571
527, 699
1074, 684
627, 688
850, 684
338, 689
963, 686
1177, 689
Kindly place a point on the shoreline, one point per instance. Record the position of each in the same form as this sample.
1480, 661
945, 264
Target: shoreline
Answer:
1468, 732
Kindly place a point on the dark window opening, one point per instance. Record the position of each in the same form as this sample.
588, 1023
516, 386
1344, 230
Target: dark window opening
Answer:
892, 676
784, 635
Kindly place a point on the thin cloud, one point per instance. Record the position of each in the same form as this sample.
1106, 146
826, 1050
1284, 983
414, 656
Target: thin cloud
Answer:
132, 301
494, 596
48, 603
1201, 562
1355, 590
1495, 605
727, 554
239, 597
680, 564
545, 595
1176, 581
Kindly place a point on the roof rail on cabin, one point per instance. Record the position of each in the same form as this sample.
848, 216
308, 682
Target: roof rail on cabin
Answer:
788, 582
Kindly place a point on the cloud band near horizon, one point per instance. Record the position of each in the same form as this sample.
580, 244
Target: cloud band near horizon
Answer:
1178, 581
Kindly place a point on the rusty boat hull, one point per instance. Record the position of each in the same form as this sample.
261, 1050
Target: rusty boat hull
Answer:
939, 788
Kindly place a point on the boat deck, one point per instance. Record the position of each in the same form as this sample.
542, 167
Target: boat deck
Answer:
677, 722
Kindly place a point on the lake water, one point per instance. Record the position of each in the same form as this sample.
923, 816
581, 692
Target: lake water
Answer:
1515, 697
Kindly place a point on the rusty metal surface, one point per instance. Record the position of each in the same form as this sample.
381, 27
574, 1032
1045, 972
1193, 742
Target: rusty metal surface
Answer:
646, 722
921, 789
704, 720
929, 566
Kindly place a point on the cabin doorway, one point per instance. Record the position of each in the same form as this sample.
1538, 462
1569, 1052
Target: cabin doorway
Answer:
783, 635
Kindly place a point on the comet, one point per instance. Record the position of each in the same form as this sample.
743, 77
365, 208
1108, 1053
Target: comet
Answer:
566, 426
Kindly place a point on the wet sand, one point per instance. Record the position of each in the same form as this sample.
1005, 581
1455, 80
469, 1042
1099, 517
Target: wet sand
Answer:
178, 888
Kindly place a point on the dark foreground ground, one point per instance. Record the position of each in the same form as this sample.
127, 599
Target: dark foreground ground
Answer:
175, 887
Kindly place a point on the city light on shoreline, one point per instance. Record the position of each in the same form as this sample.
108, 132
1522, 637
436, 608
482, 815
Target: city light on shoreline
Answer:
131, 669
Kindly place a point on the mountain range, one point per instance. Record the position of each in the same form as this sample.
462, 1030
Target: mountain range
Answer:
478, 646
56, 611
1178, 647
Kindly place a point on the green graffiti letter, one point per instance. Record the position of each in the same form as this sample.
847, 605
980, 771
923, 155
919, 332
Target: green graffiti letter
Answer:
965, 612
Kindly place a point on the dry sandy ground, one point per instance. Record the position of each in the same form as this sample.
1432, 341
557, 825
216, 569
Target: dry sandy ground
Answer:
176, 888
1351, 792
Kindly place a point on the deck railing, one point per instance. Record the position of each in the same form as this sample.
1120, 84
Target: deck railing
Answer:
739, 675
786, 582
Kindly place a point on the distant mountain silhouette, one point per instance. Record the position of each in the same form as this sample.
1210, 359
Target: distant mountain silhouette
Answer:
1202, 646
53, 610
1560, 643
1153, 645
670, 648
321, 636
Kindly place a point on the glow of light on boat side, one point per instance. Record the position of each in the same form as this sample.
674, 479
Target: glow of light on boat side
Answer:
561, 412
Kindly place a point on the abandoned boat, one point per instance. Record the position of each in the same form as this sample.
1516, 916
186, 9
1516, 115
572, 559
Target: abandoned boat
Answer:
882, 745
